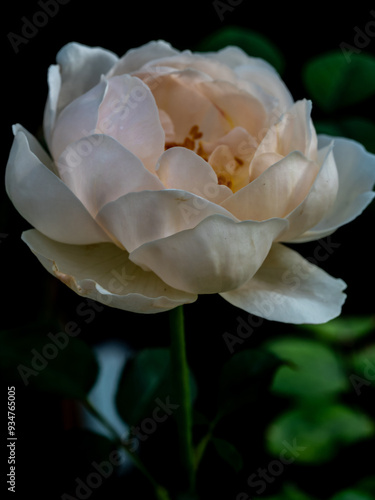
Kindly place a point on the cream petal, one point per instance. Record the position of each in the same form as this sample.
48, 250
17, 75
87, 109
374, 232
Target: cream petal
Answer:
104, 172
50, 110
135, 58
104, 273
239, 108
276, 192
44, 200
356, 179
129, 114
289, 289
180, 168
319, 200
138, 218
81, 68
218, 254
77, 120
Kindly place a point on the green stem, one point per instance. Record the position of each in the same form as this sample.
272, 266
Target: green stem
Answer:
160, 492
180, 373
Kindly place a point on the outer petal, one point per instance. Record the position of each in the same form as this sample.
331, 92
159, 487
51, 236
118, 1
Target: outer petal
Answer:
134, 59
105, 172
50, 110
104, 273
180, 168
129, 114
356, 178
81, 69
44, 200
137, 218
276, 192
287, 288
218, 254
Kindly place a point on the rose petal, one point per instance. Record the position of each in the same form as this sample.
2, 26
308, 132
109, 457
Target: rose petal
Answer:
129, 114
104, 172
104, 273
275, 193
287, 288
356, 178
180, 168
50, 110
44, 200
81, 68
137, 218
218, 254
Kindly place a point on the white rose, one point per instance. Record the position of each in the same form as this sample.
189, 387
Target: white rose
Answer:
175, 174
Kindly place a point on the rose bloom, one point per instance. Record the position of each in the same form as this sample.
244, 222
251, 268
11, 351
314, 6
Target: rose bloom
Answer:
173, 174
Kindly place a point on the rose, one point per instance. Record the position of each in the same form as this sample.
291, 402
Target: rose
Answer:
176, 174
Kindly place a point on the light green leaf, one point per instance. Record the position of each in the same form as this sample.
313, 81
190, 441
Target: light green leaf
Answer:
343, 329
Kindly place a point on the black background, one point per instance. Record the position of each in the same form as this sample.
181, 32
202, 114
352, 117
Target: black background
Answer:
301, 32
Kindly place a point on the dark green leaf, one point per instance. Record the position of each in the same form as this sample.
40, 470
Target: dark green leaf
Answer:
252, 42
334, 83
313, 368
244, 377
351, 494
56, 363
318, 429
146, 377
228, 453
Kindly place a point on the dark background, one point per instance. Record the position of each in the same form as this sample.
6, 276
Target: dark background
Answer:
300, 32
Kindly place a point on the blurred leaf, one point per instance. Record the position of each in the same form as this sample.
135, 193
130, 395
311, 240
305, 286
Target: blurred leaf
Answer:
363, 363
320, 428
313, 368
244, 377
228, 453
290, 492
334, 83
344, 329
351, 495
252, 42
53, 363
145, 378
356, 128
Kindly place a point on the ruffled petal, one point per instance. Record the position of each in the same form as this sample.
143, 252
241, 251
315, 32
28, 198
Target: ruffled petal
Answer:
104, 273
356, 179
81, 68
104, 171
289, 289
180, 168
44, 200
218, 254
137, 218
129, 114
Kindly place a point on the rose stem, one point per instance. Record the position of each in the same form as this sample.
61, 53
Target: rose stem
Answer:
181, 384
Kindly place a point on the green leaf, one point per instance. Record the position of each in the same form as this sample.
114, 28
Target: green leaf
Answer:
252, 42
334, 83
320, 428
313, 369
146, 377
55, 363
359, 129
343, 329
351, 495
244, 377
363, 363
228, 453
290, 492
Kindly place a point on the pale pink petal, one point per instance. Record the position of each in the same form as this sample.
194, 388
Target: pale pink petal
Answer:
104, 273
137, 218
129, 113
218, 254
180, 168
275, 193
105, 172
289, 289
44, 200
356, 179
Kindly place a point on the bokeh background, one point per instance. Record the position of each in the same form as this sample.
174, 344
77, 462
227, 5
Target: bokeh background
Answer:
51, 452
